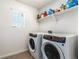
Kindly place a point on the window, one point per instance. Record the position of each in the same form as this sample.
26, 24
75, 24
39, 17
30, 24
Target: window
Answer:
17, 18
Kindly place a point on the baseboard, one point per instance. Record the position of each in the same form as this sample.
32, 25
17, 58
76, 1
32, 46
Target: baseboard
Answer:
13, 53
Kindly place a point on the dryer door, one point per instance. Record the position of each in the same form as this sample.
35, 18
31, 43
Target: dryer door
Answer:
31, 44
52, 51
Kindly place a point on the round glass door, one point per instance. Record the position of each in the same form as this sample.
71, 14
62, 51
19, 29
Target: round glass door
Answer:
32, 44
51, 52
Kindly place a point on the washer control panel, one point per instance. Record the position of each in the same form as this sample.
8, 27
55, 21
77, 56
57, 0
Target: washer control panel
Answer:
32, 35
55, 38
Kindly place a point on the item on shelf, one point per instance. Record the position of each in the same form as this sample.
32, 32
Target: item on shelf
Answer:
71, 3
38, 16
42, 15
68, 5
45, 13
51, 11
57, 10
63, 6
75, 2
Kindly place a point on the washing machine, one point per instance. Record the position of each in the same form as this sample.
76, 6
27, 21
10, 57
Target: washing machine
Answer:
34, 44
59, 46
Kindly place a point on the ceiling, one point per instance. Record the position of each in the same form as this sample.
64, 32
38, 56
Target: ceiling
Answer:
36, 3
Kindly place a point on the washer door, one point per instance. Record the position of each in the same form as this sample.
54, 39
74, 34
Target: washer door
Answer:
31, 44
52, 51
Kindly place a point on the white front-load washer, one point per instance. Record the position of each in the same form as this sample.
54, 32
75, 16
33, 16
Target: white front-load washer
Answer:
59, 46
34, 44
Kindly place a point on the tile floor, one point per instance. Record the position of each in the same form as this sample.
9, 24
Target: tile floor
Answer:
24, 55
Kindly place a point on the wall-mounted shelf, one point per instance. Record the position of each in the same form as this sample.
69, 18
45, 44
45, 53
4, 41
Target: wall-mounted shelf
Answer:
65, 11
45, 18
70, 10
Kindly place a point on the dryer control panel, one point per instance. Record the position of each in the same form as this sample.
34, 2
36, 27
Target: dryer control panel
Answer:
55, 38
32, 35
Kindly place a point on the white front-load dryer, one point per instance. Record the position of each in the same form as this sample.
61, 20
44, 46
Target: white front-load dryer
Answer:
59, 46
34, 44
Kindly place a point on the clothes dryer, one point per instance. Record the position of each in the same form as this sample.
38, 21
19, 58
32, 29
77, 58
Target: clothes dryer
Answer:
59, 46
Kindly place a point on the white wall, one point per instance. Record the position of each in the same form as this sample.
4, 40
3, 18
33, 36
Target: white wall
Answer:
67, 22
13, 40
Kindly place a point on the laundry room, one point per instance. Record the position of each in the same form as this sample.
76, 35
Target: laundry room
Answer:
38, 29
